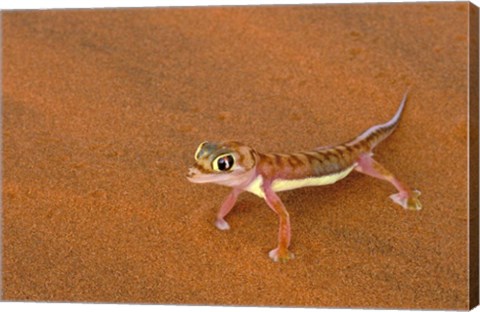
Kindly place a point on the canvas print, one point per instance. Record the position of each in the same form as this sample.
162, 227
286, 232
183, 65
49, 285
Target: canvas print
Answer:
293, 156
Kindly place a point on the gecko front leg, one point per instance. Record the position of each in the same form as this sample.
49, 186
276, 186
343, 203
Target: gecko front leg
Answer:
281, 253
227, 205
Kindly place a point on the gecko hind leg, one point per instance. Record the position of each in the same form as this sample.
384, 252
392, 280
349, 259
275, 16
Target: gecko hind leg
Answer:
405, 197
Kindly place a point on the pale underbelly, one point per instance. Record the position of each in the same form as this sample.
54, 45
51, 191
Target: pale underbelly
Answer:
280, 185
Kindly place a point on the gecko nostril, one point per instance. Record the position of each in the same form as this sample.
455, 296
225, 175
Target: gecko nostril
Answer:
190, 173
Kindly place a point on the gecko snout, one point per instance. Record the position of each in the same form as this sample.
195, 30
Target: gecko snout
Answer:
192, 172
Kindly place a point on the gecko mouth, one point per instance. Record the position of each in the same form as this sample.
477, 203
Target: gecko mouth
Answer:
195, 176
206, 178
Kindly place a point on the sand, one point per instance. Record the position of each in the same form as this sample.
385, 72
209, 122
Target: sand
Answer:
103, 111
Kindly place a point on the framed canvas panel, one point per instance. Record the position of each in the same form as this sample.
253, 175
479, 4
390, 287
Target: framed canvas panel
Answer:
295, 123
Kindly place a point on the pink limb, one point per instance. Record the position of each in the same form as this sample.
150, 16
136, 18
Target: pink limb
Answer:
405, 197
227, 205
281, 253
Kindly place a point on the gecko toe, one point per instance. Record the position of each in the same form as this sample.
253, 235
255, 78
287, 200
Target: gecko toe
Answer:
408, 201
413, 203
282, 256
222, 225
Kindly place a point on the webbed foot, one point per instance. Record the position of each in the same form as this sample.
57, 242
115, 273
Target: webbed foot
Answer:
222, 225
281, 255
408, 201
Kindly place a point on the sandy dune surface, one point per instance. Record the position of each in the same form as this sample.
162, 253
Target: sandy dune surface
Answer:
103, 110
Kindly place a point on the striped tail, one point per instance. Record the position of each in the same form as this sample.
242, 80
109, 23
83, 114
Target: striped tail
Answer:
376, 134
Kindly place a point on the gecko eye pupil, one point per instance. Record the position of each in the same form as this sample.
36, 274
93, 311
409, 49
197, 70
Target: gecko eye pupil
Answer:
225, 163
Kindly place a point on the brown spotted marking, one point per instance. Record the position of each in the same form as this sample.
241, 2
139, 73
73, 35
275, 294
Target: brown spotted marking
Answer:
278, 160
294, 161
313, 158
241, 158
266, 158
201, 168
252, 154
331, 155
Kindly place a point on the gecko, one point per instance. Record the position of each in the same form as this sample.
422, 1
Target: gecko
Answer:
242, 168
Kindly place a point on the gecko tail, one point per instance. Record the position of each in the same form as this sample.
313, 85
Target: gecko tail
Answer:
376, 134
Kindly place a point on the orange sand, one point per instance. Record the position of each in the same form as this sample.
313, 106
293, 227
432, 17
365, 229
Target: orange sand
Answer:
103, 110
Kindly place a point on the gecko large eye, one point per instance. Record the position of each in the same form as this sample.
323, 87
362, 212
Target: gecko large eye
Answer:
223, 162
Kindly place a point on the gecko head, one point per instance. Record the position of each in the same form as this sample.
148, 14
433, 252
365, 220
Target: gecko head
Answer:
227, 163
